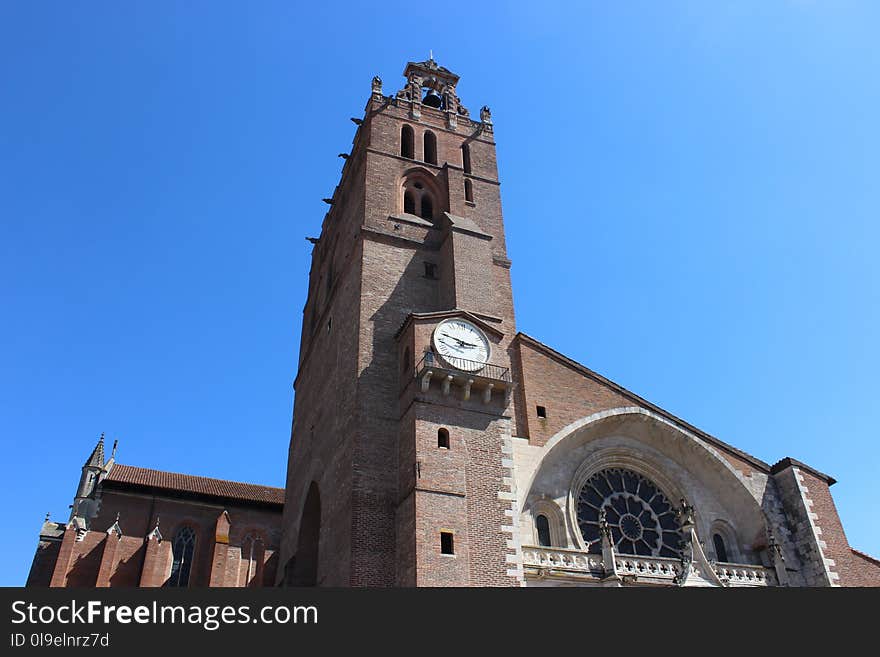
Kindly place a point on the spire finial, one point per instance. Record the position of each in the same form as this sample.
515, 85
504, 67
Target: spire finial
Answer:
431, 55
97, 456
48, 513
115, 444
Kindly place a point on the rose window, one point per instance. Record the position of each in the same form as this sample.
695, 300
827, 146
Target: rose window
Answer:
641, 519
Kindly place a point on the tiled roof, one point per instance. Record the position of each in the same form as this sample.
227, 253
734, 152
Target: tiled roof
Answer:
173, 481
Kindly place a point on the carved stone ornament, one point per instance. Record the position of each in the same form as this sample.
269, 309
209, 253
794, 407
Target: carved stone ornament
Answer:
377, 84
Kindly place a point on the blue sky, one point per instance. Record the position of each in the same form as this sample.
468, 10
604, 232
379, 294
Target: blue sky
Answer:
690, 196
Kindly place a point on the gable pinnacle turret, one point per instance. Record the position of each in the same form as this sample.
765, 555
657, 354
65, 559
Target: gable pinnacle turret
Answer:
97, 456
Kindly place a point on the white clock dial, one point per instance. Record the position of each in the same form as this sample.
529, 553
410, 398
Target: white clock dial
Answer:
461, 344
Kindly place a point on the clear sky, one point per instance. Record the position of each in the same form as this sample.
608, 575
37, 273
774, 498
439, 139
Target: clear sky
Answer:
690, 196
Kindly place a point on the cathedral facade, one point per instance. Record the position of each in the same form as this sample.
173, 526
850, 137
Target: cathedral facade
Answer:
433, 444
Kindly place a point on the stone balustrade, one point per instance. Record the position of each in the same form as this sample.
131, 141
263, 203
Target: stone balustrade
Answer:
659, 570
663, 568
737, 574
561, 558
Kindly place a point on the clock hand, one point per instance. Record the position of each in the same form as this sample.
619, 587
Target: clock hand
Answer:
450, 345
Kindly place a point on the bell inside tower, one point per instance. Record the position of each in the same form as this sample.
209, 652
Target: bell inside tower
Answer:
432, 97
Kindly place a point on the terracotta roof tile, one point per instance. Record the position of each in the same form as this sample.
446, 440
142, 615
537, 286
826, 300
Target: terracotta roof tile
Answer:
173, 481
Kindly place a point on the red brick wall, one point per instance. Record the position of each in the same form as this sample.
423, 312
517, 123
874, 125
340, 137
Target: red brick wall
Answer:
457, 490
863, 571
567, 394
106, 560
347, 420
44, 563
85, 561
853, 569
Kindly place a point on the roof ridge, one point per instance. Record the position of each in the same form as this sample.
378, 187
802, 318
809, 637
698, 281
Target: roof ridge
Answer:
641, 400
193, 476
181, 483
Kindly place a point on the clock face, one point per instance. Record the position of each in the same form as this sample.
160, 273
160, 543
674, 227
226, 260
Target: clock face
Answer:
461, 344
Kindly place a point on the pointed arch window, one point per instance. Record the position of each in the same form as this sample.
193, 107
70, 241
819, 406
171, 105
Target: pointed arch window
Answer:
420, 197
252, 555
407, 142
427, 207
430, 144
409, 202
542, 527
720, 548
183, 549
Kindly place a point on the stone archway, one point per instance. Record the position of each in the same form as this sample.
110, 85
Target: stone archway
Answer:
304, 568
679, 462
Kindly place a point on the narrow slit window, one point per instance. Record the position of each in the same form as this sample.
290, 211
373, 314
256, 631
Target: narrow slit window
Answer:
407, 142
466, 158
430, 147
427, 207
430, 270
446, 543
409, 203
443, 438
720, 548
542, 412
542, 525
468, 191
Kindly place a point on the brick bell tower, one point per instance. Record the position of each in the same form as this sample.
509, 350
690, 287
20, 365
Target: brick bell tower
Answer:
399, 468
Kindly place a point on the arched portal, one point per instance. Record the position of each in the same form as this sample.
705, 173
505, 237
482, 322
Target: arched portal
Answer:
652, 456
305, 564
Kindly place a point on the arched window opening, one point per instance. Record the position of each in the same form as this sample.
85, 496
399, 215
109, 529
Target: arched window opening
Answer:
720, 548
305, 566
542, 526
468, 191
430, 147
182, 549
427, 208
252, 554
443, 438
407, 142
409, 203
466, 158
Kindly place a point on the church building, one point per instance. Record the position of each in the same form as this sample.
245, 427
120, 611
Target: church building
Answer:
433, 444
